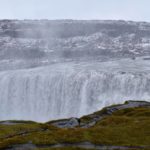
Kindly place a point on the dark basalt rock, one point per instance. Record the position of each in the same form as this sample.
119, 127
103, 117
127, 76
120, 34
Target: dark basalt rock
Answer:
68, 123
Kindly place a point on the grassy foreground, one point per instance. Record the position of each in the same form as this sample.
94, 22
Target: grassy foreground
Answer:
128, 127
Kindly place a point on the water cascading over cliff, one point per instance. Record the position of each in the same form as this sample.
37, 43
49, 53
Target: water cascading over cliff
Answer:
59, 69
67, 90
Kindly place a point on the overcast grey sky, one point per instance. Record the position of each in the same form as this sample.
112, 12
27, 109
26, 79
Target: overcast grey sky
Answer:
138, 10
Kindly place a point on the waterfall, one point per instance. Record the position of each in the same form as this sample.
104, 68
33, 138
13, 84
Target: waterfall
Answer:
67, 90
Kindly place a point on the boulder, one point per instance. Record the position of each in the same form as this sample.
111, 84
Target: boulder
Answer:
69, 123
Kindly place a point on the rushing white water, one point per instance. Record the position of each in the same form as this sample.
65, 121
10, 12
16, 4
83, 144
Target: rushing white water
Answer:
71, 89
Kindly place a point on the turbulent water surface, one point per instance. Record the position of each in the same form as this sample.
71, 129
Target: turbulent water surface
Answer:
71, 89
66, 82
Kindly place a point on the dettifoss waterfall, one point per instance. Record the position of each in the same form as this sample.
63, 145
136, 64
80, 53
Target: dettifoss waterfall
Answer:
63, 68
67, 90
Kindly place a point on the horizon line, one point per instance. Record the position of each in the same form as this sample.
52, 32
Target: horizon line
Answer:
67, 19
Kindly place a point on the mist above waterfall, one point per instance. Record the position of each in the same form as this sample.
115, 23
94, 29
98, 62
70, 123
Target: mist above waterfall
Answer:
58, 69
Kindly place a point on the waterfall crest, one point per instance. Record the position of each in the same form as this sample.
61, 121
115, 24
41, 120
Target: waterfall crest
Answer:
67, 90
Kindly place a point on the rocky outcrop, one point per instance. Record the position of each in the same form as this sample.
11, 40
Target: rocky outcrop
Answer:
68, 123
94, 118
127, 104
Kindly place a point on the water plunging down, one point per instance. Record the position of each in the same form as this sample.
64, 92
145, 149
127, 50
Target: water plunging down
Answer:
71, 89
66, 68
